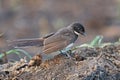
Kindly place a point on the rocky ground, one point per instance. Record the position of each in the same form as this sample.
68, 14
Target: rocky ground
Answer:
85, 64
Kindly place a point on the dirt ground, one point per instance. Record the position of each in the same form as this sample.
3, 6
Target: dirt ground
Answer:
85, 64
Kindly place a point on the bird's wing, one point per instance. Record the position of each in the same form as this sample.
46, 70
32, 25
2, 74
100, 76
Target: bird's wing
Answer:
48, 35
56, 46
57, 41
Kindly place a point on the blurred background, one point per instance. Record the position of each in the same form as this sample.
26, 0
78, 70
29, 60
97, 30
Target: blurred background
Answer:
24, 19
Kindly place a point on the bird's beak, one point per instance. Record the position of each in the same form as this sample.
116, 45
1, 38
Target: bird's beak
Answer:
84, 34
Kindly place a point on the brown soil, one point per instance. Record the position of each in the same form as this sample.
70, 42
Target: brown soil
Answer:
86, 64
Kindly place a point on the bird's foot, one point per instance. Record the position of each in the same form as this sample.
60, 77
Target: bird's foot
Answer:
67, 53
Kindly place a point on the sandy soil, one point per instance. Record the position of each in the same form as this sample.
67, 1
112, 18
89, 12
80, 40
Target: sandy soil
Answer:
86, 64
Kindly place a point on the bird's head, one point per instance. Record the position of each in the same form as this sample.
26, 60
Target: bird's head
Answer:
78, 28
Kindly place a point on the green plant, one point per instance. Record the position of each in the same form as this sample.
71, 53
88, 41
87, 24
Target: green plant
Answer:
16, 51
97, 42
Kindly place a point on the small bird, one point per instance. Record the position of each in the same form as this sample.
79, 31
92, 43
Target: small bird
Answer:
54, 41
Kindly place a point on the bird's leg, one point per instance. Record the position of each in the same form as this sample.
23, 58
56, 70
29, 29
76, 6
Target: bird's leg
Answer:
66, 53
62, 52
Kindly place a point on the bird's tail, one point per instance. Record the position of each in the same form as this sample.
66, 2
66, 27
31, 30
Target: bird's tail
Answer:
26, 42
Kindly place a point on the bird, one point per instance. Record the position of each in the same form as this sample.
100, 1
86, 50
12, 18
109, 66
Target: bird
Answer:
56, 41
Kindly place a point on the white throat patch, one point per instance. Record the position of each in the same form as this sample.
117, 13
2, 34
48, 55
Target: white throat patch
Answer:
76, 33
